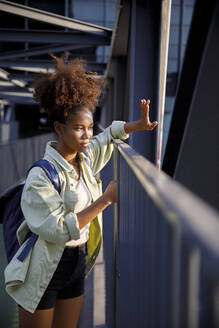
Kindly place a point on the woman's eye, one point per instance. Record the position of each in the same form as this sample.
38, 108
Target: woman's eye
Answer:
80, 129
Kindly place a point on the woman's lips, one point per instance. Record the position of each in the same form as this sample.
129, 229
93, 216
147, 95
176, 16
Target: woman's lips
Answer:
85, 144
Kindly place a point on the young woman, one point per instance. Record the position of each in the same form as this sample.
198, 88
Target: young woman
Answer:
48, 285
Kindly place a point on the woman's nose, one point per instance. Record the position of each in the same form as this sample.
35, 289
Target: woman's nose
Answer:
87, 134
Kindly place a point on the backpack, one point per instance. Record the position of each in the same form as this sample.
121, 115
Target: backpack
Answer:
11, 215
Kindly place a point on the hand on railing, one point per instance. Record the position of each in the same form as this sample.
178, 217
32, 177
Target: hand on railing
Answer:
144, 123
106, 199
110, 192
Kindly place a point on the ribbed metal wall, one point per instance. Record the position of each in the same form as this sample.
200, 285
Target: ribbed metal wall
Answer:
18, 155
143, 256
165, 267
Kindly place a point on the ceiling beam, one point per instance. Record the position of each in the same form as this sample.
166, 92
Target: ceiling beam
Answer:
16, 90
43, 65
47, 36
3, 102
51, 18
42, 51
27, 77
120, 36
6, 76
17, 97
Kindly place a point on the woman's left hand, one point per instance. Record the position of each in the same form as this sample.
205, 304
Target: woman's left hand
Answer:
144, 122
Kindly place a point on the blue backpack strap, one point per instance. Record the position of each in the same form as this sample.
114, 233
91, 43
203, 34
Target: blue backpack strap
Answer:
50, 172
53, 176
31, 241
86, 158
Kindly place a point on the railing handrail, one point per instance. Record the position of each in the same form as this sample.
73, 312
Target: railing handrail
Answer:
176, 201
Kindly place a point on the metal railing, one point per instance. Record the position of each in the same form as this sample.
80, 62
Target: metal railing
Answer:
166, 250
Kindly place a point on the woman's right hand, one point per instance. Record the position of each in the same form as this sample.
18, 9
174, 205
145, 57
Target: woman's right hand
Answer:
90, 212
110, 192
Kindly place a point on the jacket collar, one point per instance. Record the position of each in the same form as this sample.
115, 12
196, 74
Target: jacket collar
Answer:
52, 153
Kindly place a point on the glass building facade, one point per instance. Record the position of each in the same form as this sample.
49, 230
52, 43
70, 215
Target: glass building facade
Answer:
181, 15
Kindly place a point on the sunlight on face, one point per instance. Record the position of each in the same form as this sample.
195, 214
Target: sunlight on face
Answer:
78, 130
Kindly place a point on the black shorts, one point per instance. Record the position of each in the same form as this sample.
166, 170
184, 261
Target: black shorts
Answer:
68, 278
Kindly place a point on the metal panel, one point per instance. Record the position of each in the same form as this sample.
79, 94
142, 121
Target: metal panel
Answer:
144, 256
107, 114
161, 246
18, 157
200, 25
119, 90
197, 164
144, 67
138, 72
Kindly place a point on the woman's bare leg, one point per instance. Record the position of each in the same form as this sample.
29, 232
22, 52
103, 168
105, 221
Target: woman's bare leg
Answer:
40, 318
67, 312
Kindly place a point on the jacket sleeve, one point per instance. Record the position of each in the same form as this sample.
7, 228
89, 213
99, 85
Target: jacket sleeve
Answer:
44, 210
100, 147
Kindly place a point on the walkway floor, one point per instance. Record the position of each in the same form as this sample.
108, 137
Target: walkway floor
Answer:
93, 308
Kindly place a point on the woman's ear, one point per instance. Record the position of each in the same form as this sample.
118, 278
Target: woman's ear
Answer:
58, 127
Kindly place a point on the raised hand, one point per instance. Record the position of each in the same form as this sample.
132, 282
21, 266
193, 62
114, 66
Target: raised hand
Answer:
145, 123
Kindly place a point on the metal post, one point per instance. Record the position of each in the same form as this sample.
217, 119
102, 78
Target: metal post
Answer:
115, 237
144, 45
164, 46
193, 288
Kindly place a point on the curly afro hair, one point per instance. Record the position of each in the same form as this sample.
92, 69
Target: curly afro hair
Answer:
68, 89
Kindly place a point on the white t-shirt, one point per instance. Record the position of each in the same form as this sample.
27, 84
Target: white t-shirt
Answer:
84, 200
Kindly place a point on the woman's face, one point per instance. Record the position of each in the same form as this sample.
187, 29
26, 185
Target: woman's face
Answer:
77, 132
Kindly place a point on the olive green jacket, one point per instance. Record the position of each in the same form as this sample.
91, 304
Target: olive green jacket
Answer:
51, 216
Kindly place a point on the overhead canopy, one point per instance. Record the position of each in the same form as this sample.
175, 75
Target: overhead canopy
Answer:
67, 35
